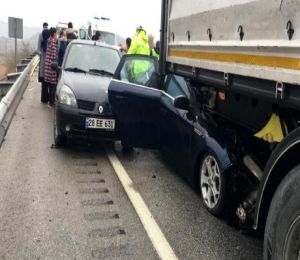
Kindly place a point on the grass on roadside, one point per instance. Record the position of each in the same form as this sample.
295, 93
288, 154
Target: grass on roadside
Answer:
8, 61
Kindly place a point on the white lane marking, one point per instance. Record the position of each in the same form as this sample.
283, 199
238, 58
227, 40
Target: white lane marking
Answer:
160, 243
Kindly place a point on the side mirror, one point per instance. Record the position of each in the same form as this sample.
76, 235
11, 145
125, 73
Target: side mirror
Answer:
55, 67
182, 102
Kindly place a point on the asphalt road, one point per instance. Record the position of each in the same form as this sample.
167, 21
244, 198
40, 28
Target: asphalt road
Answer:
69, 204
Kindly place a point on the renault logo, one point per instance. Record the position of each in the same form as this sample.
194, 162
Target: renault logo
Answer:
101, 109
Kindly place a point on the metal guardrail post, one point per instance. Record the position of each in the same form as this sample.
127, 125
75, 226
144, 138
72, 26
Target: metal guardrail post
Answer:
10, 102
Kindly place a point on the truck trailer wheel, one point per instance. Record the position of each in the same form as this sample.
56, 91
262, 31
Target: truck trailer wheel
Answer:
282, 232
212, 185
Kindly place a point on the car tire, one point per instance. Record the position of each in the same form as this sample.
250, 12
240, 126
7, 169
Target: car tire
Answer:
282, 231
59, 139
212, 185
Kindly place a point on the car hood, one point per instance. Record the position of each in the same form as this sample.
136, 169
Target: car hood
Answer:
87, 86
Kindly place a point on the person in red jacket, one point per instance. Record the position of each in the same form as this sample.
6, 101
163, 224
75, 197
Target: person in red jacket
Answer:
51, 56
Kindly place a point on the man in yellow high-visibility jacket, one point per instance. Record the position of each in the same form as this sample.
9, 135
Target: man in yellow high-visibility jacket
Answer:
139, 45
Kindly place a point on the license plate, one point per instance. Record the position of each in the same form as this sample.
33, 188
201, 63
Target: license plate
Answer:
98, 123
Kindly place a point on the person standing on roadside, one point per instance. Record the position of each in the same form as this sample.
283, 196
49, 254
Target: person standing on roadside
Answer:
71, 35
96, 36
155, 50
62, 46
50, 74
41, 48
128, 43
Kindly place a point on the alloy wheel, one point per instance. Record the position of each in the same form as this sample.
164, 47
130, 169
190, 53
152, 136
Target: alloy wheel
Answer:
210, 182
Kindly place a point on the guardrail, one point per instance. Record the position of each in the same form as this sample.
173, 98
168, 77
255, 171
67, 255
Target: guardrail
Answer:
11, 100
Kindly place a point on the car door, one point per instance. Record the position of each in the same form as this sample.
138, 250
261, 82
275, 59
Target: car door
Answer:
177, 124
136, 101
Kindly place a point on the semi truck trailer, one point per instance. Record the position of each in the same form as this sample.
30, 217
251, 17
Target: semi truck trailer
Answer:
243, 57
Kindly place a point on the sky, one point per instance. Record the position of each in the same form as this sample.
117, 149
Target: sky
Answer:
125, 15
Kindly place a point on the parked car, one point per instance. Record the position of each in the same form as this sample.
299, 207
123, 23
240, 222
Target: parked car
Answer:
82, 109
166, 115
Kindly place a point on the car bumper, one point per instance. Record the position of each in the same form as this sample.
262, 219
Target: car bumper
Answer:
75, 120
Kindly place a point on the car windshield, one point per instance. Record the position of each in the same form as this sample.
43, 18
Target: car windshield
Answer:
91, 58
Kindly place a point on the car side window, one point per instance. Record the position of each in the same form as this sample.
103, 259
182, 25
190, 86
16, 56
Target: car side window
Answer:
139, 70
177, 86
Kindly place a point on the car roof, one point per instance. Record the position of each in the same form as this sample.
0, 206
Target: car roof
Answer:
90, 42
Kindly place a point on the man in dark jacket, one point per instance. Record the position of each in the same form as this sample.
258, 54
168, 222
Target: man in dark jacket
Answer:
41, 48
96, 36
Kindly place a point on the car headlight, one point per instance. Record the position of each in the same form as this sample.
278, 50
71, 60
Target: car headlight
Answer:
67, 97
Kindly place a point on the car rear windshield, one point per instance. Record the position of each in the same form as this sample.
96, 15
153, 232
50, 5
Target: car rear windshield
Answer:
87, 57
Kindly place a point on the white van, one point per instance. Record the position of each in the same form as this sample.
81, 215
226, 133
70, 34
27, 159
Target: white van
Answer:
107, 32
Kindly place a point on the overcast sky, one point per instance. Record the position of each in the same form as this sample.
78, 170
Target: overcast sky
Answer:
125, 14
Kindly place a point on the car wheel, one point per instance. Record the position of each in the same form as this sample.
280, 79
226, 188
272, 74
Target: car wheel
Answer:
212, 185
282, 232
59, 139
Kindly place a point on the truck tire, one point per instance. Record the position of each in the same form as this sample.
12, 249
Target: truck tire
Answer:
282, 232
212, 185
